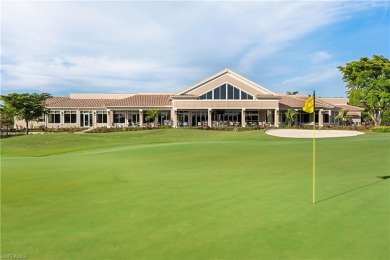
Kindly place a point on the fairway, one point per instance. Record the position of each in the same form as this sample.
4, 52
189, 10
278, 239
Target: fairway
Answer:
192, 194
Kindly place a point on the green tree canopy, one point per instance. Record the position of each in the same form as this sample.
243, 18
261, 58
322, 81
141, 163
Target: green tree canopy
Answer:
368, 85
26, 106
7, 118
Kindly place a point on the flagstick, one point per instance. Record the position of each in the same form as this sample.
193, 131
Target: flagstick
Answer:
314, 150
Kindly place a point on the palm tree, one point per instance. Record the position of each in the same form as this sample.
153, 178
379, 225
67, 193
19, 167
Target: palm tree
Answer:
153, 114
343, 116
290, 116
292, 92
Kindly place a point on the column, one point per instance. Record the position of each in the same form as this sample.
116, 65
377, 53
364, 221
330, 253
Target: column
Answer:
141, 118
126, 118
243, 124
110, 118
94, 118
190, 118
209, 121
320, 118
78, 118
296, 117
276, 121
62, 117
174, 117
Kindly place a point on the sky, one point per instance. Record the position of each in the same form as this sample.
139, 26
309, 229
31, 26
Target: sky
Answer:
63, 47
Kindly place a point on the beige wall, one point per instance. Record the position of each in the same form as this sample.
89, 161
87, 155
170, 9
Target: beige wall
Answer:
239, 104
223, 79
31, 124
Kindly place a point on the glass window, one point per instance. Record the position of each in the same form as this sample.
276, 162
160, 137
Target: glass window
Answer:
226, 91
119, 117
70, 117
230, 91
217, 93
223, 91
101, 117
236, 93
54, 117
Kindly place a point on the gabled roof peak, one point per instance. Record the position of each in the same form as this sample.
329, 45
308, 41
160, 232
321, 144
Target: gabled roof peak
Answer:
234, 75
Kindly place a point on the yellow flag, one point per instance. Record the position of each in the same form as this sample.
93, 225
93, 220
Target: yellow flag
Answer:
309, 105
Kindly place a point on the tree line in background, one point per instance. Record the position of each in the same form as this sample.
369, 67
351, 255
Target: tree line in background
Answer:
368, 86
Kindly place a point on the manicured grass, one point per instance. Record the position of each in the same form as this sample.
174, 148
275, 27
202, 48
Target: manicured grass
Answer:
191, 194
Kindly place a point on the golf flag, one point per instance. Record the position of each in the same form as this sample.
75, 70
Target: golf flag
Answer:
310, 108
309, 105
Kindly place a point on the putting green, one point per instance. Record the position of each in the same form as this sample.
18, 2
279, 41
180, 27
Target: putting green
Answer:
242, 196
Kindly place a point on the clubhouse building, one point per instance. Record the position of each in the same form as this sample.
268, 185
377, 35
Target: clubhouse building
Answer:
222, 100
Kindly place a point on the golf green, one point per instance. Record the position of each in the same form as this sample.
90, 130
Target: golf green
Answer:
194, 195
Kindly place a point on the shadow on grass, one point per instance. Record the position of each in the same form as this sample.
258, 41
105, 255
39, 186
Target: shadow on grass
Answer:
383, 178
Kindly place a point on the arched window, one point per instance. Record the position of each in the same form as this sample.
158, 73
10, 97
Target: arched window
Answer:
226, 91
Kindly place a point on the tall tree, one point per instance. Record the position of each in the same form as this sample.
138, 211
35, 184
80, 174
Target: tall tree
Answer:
290, 116
27, 106
153, 115
368, 85
7, 114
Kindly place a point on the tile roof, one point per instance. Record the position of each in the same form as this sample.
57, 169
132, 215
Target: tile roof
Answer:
79, 103
349, 107
54, 100
299, 101
143, 100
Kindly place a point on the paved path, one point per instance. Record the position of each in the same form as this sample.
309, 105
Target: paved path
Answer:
300, 133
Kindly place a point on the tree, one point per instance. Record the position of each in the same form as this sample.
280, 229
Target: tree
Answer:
153, 114
292, 92
342, 115
7, 116
290, 116
368, 85
27, 106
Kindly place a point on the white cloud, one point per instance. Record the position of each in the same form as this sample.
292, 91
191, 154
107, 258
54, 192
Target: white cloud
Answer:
150, 46
316, 79
320, 56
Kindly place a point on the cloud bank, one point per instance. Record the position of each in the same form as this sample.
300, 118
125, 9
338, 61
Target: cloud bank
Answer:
62, 47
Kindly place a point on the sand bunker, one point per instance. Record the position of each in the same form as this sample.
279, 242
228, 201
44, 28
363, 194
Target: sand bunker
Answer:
300, 133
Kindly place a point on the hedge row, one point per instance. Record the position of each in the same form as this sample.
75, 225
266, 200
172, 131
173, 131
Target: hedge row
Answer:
381, 129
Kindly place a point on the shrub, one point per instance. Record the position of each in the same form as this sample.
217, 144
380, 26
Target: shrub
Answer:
105, 129
381, 129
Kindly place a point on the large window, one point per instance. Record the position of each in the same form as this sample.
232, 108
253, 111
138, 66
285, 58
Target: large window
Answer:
101, 117
119, 117
252, 117
70, 117
55, 117
226, 91
199, 118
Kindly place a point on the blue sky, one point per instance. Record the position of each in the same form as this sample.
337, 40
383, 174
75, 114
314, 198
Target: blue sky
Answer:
131, 47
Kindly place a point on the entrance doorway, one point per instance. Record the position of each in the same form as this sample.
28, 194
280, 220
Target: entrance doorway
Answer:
86, 118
